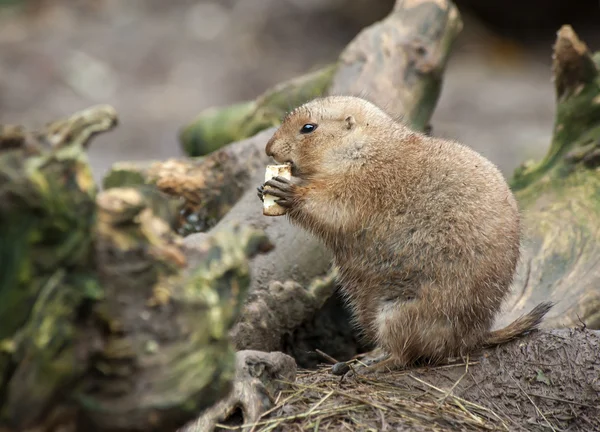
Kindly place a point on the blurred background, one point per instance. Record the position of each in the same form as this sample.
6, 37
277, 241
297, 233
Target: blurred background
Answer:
160, 62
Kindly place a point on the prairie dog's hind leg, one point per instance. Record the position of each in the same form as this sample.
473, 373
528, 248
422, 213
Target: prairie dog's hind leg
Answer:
395, 340
412, 334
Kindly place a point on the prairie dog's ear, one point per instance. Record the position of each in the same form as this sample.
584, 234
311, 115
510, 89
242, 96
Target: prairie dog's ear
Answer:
350, 122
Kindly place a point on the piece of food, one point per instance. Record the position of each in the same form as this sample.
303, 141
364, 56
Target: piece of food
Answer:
270, 207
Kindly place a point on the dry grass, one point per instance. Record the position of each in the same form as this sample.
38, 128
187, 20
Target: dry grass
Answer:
320, 401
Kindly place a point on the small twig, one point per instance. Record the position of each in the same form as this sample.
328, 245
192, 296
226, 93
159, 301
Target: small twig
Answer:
443, 399
346, 426
270, 428
467, 412
384, 424
569, 363
280, 404
326, 356
226, 427
316, 429
323, 399
561, 400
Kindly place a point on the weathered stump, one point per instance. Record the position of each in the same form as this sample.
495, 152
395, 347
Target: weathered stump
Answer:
104, 326
559, 198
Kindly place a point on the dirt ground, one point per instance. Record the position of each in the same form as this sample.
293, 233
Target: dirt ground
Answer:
547, 381
160, 63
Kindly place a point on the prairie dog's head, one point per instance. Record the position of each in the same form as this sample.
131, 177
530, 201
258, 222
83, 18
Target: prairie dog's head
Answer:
327, 135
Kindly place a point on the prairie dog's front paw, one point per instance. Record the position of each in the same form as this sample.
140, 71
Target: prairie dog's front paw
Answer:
260, 191
282, 189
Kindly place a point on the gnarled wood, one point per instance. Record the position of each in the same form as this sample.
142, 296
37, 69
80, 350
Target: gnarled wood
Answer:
216, 127
559, 199
103, 325
259, 379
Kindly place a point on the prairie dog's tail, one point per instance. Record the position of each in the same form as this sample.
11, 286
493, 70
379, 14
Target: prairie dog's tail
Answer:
519, 326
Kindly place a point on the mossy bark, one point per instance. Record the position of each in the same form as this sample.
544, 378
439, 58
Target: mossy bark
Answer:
216, 127
202, 190
560, 199
47, 214
104, 325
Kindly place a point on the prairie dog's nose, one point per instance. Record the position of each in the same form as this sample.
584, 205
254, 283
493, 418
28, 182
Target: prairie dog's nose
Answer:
269, 148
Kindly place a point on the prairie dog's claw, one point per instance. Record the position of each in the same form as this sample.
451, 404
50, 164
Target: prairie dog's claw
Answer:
260, 192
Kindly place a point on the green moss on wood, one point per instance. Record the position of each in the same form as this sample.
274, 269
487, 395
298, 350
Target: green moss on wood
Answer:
183, 314
216, 127
126, 174
47, 213
98, 308
559, 197
577, 117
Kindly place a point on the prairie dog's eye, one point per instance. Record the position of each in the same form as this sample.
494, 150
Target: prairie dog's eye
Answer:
308, 128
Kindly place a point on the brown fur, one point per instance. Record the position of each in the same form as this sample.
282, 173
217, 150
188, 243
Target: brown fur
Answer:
425, 231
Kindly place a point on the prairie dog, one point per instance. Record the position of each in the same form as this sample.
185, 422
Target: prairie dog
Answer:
425, 231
